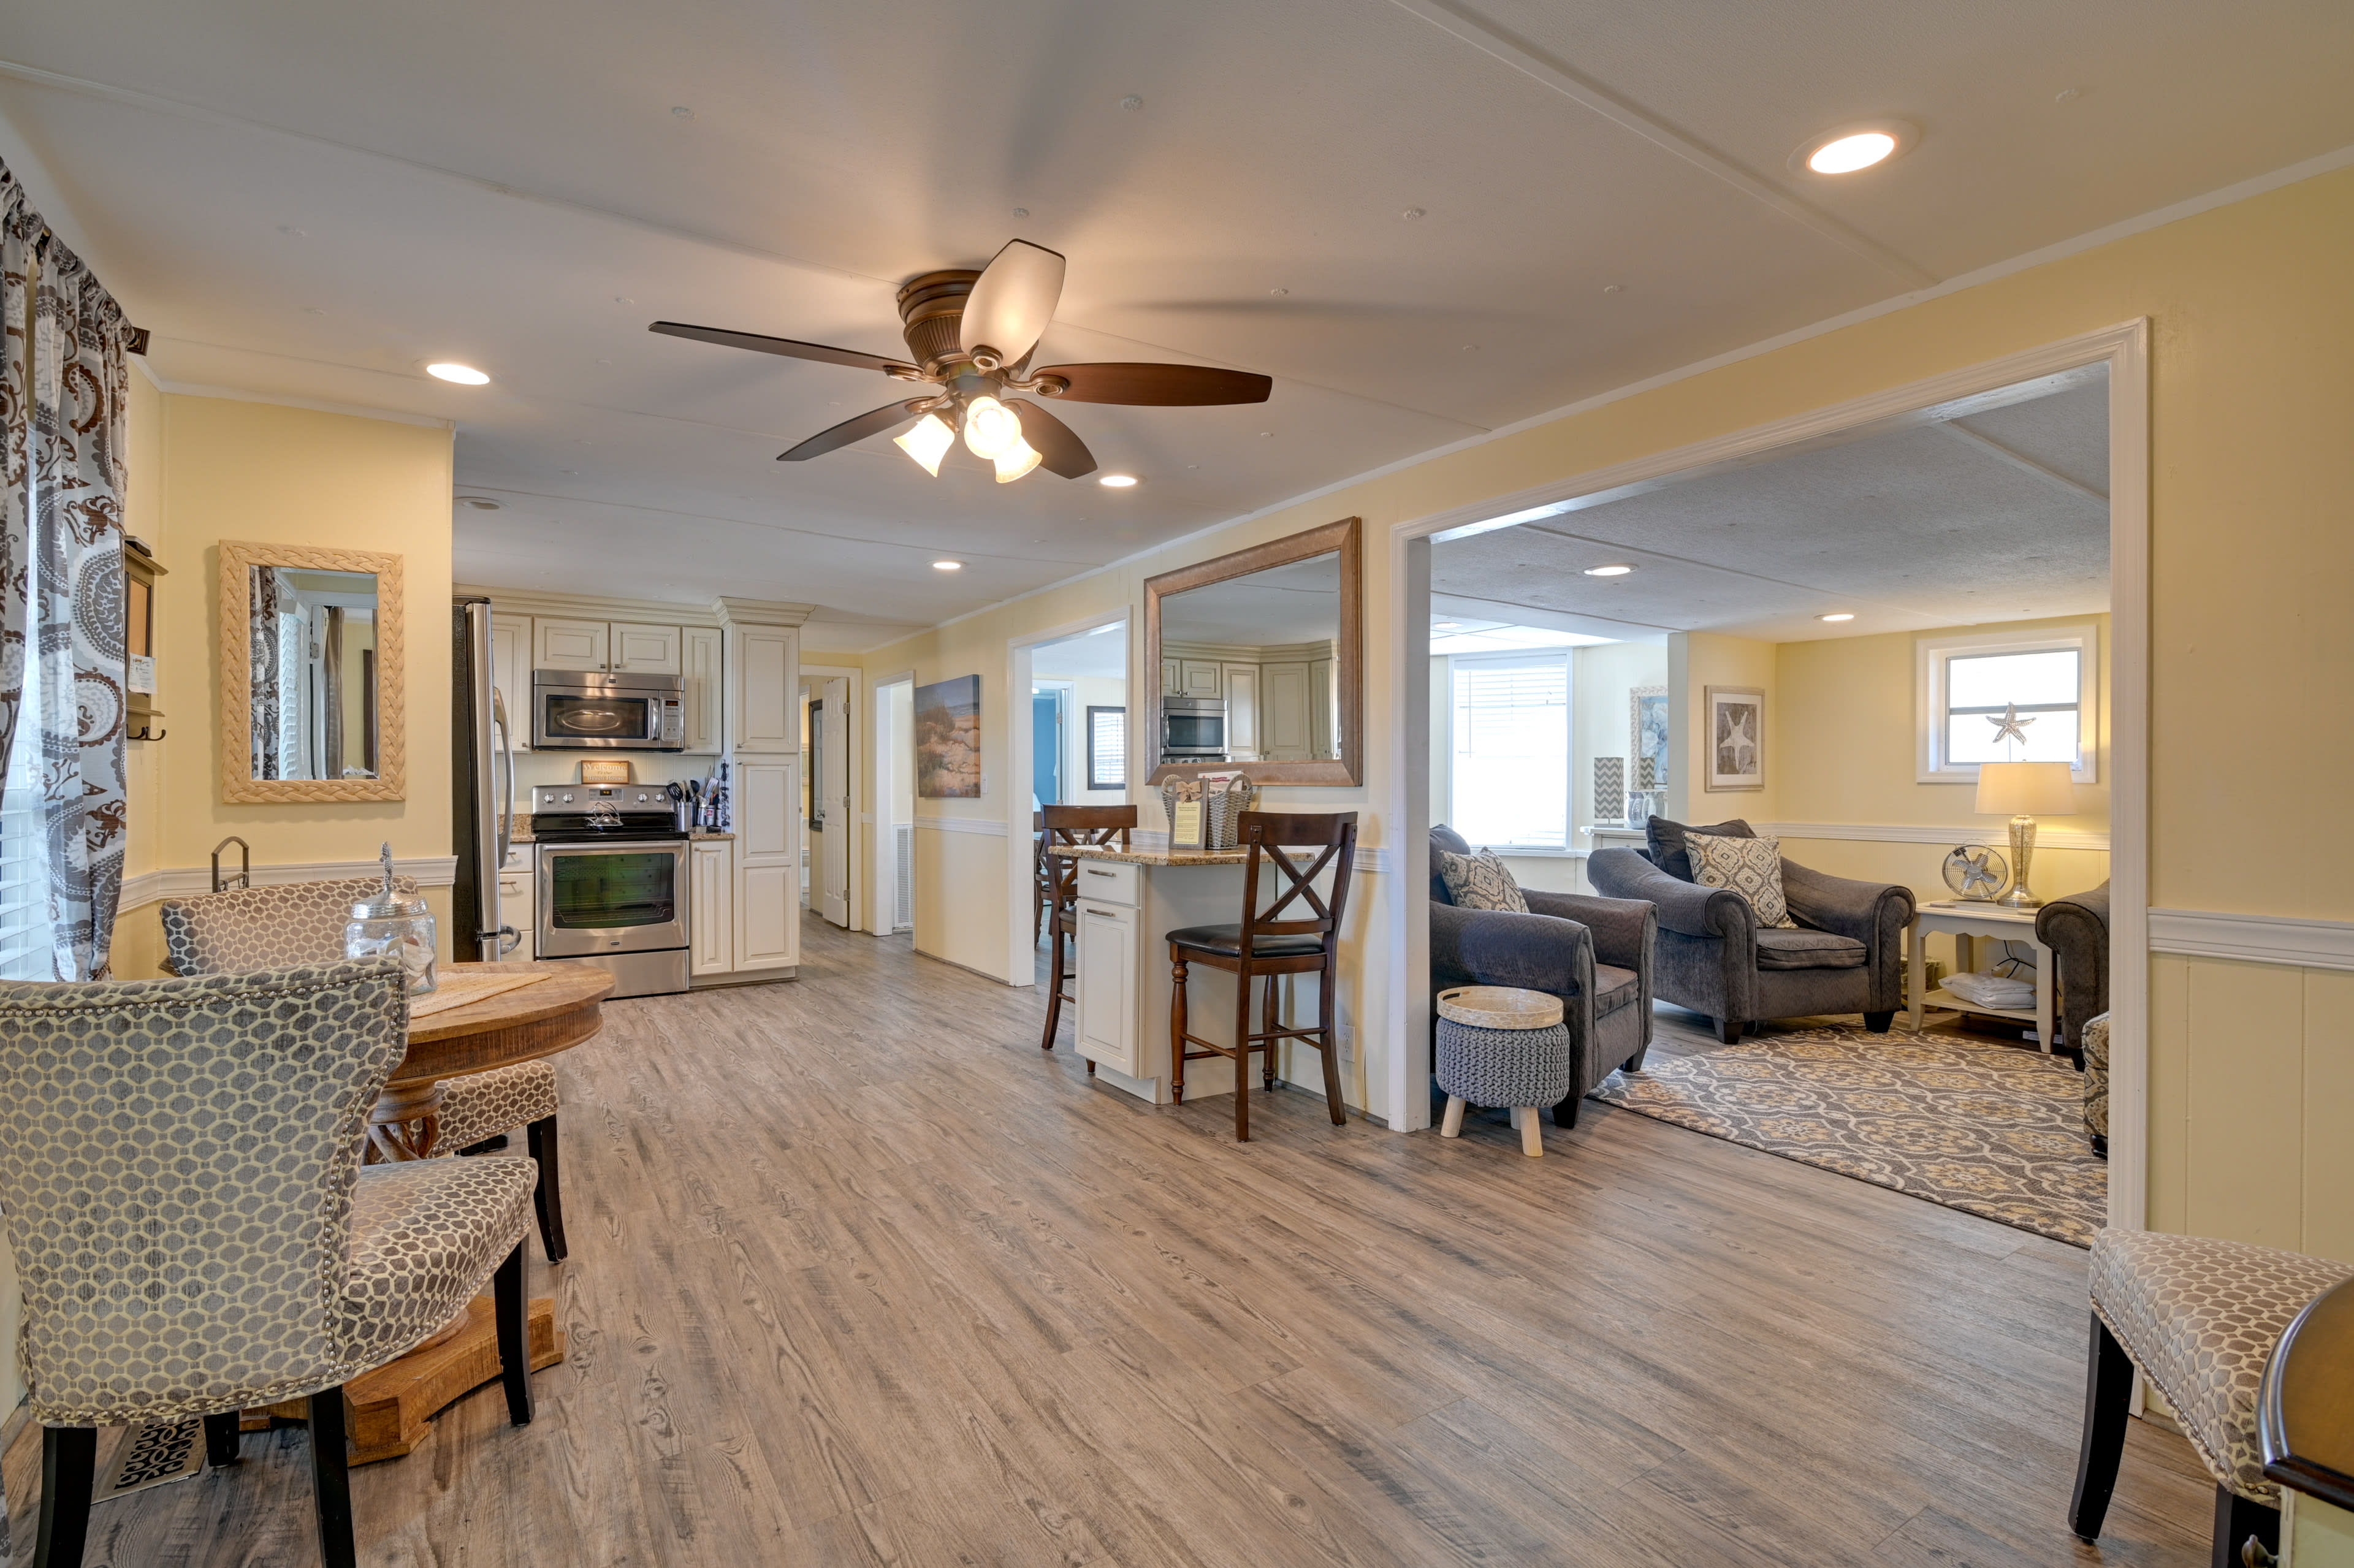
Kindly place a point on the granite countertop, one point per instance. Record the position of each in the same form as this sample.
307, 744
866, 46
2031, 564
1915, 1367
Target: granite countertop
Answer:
1151, 856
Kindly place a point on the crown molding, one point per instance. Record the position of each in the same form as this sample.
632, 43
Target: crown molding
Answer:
589, 607
759, 613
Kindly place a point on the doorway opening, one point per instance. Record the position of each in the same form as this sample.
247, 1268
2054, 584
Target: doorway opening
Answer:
891, 896
1070, 747
830, 768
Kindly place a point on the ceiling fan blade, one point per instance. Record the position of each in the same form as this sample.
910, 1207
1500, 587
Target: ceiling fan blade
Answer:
1013, 301
784, 345
1158, 386
1058, 446
874, 422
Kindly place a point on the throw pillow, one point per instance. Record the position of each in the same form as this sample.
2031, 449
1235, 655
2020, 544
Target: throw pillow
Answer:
1667, 843
1480, 882
1751, 867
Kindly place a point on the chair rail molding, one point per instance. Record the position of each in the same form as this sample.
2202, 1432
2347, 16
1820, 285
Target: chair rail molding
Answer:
195, 881
2046, 837
987, 826
2253, 939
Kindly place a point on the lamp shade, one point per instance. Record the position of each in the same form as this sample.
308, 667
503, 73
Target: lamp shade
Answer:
2027, 788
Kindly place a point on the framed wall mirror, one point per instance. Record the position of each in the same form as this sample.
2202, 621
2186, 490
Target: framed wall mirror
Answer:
1261, 663
312, 694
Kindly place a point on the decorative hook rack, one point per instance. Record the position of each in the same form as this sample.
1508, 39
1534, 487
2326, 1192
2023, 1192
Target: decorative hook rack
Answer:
146, 732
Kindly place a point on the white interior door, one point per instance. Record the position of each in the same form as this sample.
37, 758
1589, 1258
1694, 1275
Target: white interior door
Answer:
831, 797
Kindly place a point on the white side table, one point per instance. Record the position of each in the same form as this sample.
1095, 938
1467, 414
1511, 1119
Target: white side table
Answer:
1967, 923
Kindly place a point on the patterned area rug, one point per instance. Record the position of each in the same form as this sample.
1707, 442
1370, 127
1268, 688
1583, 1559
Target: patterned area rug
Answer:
1985, 1129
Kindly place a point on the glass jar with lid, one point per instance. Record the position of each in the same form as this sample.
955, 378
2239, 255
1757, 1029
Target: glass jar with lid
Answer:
392, 926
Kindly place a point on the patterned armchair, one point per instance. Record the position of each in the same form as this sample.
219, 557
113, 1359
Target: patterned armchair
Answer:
193, 1228
302, 923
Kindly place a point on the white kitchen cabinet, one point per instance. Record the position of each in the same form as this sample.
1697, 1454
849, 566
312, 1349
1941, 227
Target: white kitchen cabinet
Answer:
570, 644
763, 666
511, 673
711, 907
643, 650
1197, 678
1241, 681
1106, 1024
768, 877
1322, 742
699, 663
1284, 714
1169, 678
518, 896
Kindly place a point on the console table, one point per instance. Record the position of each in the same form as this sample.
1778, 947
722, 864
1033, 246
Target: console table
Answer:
1967, 924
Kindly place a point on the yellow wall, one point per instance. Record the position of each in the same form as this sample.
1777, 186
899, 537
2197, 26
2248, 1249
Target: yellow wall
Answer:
208, 469
1846, 724
1697, 661
2252, 328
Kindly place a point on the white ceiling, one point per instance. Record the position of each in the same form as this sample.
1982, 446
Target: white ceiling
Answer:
1299, 602
1991, 516
309, 202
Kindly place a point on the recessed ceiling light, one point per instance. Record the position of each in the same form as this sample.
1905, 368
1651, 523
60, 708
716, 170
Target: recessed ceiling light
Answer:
1846, 149
1446, 625
1117, 481
479, 503
463, 375
1616, 569
947, 566
1843, 614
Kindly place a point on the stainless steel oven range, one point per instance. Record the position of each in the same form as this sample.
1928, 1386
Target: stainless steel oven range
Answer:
612, 883
588, 709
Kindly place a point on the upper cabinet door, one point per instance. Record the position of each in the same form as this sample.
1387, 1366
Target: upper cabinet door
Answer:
1198, 677
570, 644
645, 649
763, 664
1169, 686
1241, 713
698, 657
1284, 726
511, 673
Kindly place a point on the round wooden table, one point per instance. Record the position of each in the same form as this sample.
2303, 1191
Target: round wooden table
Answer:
392, 1407
561, 1008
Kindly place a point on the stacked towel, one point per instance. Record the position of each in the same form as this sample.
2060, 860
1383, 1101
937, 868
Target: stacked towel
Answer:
1993, 991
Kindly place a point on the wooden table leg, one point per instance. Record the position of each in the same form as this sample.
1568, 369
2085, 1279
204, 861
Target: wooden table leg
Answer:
406, 1122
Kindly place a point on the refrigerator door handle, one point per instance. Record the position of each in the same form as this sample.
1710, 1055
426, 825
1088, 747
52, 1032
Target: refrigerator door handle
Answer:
507, 754
509, 940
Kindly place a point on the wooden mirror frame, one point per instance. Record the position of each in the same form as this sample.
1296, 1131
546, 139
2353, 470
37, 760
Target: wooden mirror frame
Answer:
1343, 538
238, 787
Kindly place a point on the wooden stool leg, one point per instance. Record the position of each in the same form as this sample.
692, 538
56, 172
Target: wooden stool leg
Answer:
1271, 1019
1177, 967
1243, 1051
1327, 1039
1532, 1130
1453, 1125
1053, 988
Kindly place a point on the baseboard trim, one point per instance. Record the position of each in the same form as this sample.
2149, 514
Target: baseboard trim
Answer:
2253, 939
753, 977
195, 881
1995, 834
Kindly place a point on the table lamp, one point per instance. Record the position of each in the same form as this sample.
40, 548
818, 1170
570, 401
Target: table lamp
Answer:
2026, 791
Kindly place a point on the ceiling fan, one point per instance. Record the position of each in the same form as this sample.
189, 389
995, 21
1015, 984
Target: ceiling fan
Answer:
971, 335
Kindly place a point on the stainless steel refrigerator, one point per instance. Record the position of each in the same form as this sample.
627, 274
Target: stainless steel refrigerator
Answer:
482, 745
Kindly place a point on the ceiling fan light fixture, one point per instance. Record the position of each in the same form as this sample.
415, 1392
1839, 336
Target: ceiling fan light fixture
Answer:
927, 443
990, 428
1015, 461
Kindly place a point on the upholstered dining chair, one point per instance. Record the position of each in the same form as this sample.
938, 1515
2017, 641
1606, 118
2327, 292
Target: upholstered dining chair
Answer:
302, 923
195, 1233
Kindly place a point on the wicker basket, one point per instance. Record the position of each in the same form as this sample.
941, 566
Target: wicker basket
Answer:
1222, 811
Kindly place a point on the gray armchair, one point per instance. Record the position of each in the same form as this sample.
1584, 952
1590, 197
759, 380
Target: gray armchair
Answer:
2076, 929
1595, 954
1846, 954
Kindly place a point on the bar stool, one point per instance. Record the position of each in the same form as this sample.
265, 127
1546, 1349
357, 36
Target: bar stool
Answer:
1265, 944
1071, 825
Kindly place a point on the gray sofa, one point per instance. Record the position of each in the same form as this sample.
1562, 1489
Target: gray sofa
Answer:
1595, 953
2076, 929
1845, 955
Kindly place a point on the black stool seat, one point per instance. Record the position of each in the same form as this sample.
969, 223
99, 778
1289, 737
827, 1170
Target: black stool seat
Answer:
1227, 941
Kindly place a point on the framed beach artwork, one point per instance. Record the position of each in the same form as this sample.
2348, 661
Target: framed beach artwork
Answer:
1736, 738
947, 739
1647, 737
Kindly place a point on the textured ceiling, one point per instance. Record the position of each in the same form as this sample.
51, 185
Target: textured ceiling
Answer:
309, 202
1994, 516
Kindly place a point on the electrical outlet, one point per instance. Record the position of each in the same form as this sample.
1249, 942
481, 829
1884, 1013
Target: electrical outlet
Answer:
1348, 1033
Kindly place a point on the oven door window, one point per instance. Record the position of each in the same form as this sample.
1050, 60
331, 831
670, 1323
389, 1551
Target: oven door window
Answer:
601, 892
597, 718
1195, 732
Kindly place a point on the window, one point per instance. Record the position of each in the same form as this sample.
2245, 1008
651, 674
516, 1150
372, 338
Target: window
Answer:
1107, 749
26, 936
2003, 696
1510, 781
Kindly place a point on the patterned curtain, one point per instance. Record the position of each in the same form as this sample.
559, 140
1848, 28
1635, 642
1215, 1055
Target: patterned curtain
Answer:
61, 608
269, 679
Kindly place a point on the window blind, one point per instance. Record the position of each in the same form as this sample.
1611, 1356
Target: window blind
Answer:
25, 940
1107, 749
1511, 776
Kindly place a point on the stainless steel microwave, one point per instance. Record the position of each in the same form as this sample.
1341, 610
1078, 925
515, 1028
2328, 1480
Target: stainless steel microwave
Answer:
1192, 730
593, 711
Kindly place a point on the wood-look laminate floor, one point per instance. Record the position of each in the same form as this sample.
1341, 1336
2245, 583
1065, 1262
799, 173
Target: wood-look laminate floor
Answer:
859, 1276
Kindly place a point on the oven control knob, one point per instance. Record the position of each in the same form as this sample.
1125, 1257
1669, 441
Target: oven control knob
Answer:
567, 799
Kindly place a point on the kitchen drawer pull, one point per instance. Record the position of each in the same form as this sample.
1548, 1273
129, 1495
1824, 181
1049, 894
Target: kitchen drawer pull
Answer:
1103, 913
1094, 872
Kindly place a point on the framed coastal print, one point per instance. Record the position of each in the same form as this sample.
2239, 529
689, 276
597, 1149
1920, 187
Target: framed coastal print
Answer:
947, 739
1736, 738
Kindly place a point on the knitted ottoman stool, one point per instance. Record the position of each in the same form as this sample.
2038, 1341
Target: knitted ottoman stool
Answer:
1499, 1046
